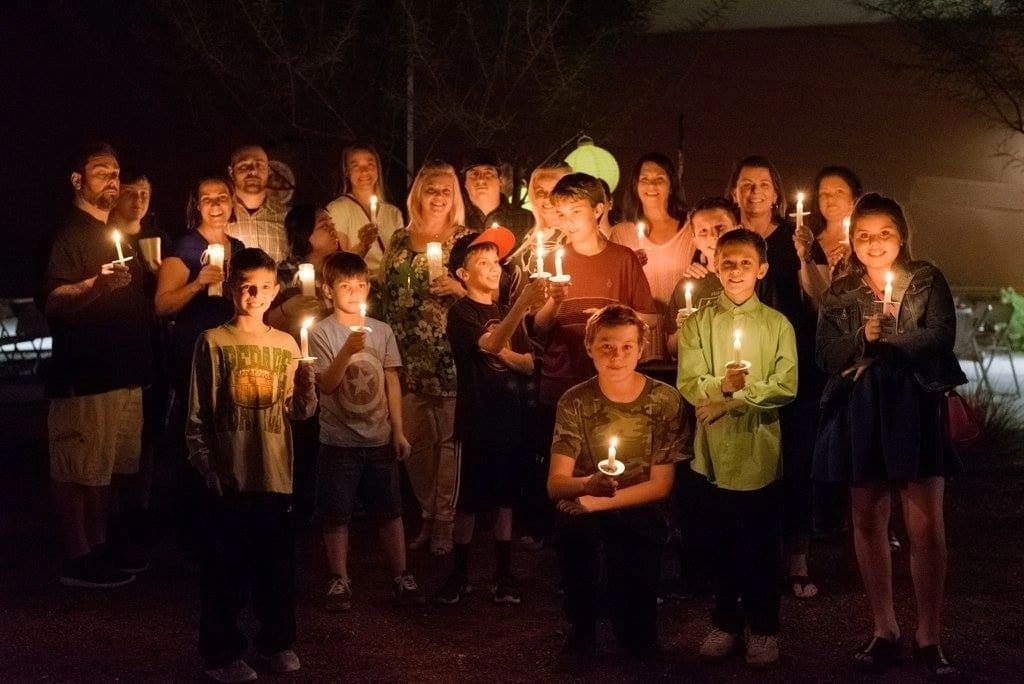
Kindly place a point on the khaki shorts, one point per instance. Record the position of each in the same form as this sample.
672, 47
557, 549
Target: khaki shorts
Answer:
94, 436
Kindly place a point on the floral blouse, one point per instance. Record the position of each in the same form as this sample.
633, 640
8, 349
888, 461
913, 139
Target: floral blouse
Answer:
418, 318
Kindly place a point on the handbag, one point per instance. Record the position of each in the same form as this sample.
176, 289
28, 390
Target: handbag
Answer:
962, 425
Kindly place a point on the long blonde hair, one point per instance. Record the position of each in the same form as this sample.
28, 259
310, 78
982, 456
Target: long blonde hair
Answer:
427, 173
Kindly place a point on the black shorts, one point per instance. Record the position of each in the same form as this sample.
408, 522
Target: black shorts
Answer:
490, 477
343, 473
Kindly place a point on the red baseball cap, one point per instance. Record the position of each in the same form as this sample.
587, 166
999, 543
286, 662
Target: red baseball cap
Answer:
503, 238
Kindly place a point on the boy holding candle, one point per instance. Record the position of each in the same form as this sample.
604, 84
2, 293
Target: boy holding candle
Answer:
361, 433
737, 365
495, 402
246, 385
640, 418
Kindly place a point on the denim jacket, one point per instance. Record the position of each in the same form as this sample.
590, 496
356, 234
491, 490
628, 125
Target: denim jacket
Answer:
925, 329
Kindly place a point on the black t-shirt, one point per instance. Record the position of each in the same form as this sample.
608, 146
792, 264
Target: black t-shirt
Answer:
106, 344
493, 401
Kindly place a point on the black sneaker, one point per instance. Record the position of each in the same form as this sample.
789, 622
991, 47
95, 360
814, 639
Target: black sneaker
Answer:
453, 590
407, 591
505, 591
92, 572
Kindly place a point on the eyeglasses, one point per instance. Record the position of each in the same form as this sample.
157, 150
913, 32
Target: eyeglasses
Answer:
483, 174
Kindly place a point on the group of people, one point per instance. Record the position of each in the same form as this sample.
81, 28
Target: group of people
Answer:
596, 385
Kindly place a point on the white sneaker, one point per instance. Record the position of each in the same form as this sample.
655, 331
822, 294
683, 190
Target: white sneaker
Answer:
717, 645
762, 650
234, 672
284, 662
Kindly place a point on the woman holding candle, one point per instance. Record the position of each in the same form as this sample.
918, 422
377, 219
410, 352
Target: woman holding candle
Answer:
837, 188
365, 222
756, 187
881, 425
619, 421
416, 307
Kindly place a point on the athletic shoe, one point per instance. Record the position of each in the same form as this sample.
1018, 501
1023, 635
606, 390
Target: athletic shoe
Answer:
762, 650
234, 672
283, 662
453, 590
505, 592
717, 645
407, 591
339, 595
91, 572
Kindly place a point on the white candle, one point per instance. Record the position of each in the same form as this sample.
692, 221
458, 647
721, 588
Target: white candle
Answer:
374, 207
558, 262
435, 269
737, 356
688, 291
307, 277
799, 210
215, 256
887, 296
304, 337
539, 249
362, 314
846, 230
612, 444
640, 230
117, 244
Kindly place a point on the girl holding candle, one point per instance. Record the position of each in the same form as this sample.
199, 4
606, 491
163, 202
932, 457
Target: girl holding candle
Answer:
364, 226
416, 308
638, 419
881, 425
756, 187
311, 239
545, 233
837, 188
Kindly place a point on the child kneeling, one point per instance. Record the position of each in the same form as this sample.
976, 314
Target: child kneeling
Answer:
640, 418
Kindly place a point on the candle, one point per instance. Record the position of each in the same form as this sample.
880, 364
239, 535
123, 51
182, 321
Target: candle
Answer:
117, 244
846, 230
539, 235
887, 297
307, 276
215, 257
374, 206
688, 291
435, 268
558, 262
362, 314
304, 337
737, 357
639, 231
799, 210
612, 444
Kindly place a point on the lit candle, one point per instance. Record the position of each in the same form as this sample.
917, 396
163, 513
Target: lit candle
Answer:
362, 314
558, 262
117, 244
495, 225
307, 276
215, 257
304, 337
640, 230
435, 269
374, 206
799, 210
612, 444
737, 357
539, 249
688, 291
887, 296
846, 230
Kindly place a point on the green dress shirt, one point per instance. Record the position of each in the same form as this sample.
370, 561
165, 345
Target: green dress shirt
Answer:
740, 450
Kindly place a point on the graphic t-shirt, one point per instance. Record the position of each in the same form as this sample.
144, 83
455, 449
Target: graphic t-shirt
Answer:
705, 292
649, 429
356, 413
240, 401
613, 276
492, 401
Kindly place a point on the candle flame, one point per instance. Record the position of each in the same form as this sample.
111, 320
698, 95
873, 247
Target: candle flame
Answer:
736, 338
799, 197
362, 309
495, 225
889, 277
117, 235
613, 442
688, 288
560, 253
308, 322
641, 229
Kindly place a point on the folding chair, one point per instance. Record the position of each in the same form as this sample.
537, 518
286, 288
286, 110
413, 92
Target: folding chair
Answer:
23, 341
995, 339
968, 322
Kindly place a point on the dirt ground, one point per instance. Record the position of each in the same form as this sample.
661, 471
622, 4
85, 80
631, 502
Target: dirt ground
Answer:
147, 630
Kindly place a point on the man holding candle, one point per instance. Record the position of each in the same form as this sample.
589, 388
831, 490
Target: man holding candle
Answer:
737, 366
258, 220
102, 357
640, 419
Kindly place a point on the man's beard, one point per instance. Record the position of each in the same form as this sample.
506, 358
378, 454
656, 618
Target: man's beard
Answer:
104, 201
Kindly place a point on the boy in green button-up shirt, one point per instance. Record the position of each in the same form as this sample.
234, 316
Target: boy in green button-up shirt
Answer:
738, 443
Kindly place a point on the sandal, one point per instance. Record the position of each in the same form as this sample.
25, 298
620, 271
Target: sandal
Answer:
877, 654
802, 581
934, 659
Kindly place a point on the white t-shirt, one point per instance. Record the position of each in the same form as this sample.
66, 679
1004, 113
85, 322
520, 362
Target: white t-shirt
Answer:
355, 414
349, 217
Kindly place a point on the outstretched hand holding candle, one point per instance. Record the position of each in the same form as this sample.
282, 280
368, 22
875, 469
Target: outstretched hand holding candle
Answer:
113, 276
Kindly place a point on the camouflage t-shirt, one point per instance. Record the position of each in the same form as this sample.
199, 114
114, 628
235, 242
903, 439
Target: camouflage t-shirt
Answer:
649, 429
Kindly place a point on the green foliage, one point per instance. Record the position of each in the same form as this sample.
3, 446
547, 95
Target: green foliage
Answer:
1016, 331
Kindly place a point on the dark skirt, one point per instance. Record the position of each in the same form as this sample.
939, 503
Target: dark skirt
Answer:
883, 427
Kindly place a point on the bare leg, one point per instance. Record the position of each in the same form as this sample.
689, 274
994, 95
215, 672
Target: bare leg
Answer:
70, 500
392, 538
336, 543
926, 527
870, 507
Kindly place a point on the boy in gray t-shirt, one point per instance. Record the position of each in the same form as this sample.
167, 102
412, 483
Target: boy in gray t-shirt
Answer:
361, 435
